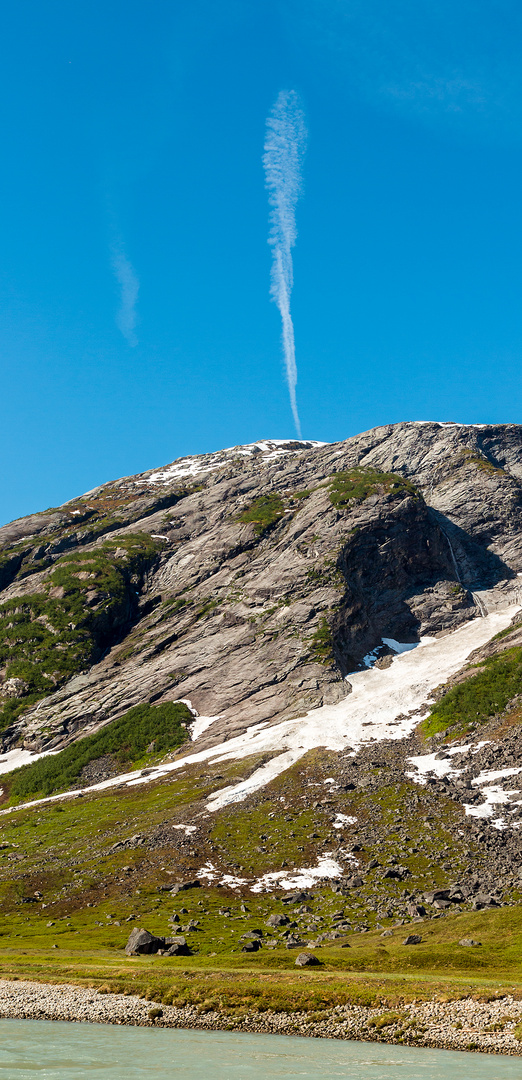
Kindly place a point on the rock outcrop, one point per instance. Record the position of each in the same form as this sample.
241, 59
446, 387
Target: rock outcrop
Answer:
254, 580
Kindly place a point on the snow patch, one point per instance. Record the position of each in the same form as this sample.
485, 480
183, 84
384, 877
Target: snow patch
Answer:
13, 759
489, 775
304, 878
237, 792
210, 873
200, 725
343, 819
187, 829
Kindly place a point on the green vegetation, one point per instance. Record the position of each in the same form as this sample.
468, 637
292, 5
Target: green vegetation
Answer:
321, 643
359, 483
48, 636
472, 458
100, 863
127, 739
264, 512
206, 607
480, 697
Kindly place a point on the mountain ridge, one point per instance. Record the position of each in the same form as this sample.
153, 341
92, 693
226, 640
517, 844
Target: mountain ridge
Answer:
216, 569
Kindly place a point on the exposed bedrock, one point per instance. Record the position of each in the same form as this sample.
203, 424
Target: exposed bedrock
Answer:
260, 578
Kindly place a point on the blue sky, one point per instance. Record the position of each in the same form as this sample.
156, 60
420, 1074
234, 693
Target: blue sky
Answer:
135, 318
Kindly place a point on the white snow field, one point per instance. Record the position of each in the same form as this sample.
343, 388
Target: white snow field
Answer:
383, 704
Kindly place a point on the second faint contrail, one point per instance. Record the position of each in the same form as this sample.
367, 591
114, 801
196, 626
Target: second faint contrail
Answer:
284, 148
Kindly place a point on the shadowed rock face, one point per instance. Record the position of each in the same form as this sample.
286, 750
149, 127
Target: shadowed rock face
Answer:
257, 611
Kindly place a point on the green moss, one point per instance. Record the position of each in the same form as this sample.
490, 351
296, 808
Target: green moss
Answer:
472, 458
127, 739
264, 512
321, 642
480, 697
359, 483
207, 606
48, 636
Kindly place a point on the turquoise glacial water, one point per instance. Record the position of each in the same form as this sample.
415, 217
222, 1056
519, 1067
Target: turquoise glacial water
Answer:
44, 1050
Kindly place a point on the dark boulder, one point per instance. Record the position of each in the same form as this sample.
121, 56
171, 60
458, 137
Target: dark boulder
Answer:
184, 885
306, 959
178, 949
354, 882
140, 941
277, 920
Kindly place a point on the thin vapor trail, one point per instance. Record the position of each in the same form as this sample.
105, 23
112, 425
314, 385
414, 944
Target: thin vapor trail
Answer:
284, 148
129, 286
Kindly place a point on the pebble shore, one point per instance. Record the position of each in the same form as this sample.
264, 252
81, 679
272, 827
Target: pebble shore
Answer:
454, 1025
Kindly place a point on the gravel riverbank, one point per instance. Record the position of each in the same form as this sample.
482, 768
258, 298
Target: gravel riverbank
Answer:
454, 1025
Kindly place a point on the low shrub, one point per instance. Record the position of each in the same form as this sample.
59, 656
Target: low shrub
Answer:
264, 512
359, 483
126, 738
479, 697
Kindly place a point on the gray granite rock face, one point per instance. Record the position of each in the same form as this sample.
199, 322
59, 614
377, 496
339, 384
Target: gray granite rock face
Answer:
257, 625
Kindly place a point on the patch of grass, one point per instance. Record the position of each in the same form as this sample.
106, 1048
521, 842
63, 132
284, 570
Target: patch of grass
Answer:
390, 1019
264, 512
50, 635
321, 643
127, 739
206, 607
505, 632
480, 697
359, 483
472, 458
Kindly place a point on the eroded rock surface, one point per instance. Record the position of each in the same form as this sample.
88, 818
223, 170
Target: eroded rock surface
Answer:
258, 589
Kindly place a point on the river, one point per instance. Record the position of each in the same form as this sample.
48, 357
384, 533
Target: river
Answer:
47, 1050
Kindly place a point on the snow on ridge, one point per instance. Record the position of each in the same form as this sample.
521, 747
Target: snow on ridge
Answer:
199, 464
446, 423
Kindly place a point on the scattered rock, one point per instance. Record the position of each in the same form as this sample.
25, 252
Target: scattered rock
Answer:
252, 946
141, 941
183, 886
306, 959
277, 920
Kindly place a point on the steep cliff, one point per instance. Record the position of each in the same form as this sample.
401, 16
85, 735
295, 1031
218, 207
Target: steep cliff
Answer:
251, 581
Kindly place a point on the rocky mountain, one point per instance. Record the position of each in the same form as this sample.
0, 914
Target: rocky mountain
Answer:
252, 581
304, 599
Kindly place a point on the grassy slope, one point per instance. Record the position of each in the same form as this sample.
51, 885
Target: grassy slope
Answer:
64, 851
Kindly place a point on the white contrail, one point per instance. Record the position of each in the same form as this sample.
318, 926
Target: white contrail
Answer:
129, 286
284, 151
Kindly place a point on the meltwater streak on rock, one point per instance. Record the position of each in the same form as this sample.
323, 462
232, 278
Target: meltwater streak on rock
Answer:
383, 704
68, 1051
